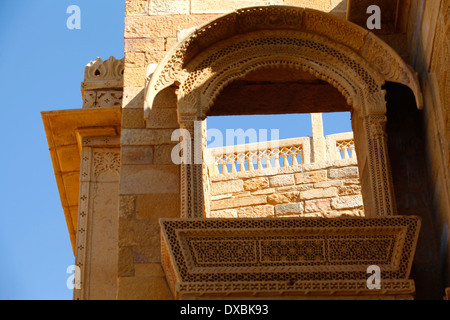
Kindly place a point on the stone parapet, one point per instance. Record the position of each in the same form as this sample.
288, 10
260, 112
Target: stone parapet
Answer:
326, 190
277, 179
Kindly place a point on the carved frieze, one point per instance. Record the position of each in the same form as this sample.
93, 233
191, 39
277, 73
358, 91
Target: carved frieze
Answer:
207, 75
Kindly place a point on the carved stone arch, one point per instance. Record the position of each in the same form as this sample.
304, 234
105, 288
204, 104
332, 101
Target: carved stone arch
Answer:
348, 57
211, 71
359, 43
205, 100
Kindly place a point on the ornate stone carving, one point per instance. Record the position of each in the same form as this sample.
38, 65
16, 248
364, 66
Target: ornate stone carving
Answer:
103, 83
235, 58
258, 18
246, 158
376, 103
377, 126
83, 217
89, 99
295, 256
381, 177
100, 72
106, 161
192, 204
109, 99
336, 29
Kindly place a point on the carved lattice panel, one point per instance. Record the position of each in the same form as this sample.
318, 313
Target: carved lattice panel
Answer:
260, 256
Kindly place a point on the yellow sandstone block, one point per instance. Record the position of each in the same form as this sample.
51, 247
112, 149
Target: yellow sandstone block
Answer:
134, 77
162, 7
164, 26
136, 7
143, 288
224, 6
134, 60
322, 5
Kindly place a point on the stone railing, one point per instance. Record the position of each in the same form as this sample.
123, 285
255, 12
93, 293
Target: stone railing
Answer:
340, 146
260, 156
278, 154
285, 178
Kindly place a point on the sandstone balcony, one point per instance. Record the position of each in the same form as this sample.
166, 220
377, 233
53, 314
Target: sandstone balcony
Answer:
307, 237
299, 258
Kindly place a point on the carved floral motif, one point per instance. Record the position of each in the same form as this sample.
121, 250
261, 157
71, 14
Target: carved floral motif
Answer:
106, 161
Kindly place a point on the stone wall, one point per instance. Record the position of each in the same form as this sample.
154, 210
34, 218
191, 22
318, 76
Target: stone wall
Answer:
328, 189
429, 44
193, 7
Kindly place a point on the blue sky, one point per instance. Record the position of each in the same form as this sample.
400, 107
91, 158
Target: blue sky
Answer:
42, 65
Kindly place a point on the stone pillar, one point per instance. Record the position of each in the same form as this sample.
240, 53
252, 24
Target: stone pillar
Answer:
380, 171
97, 223
192, 168
318, 139
369, 127
149, 190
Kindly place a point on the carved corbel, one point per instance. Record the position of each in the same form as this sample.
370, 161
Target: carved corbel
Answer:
188, 103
